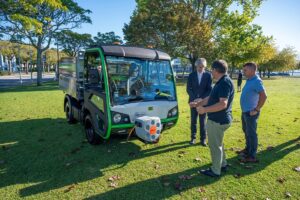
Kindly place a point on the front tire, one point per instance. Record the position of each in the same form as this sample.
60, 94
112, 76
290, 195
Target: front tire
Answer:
69, 115
91, 135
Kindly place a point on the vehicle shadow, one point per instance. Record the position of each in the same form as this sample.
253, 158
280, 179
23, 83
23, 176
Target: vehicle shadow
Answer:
49, 154
157, 188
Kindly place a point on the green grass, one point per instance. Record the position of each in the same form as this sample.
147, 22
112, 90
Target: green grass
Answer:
43, 157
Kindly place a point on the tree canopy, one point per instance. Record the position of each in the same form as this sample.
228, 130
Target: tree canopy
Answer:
172, 27
72, 42
107, 38
45, 19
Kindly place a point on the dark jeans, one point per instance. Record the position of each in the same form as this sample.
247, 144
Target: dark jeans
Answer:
249, 125
202, 120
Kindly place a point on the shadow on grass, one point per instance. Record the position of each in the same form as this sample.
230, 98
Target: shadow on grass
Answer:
156, 189
49, 154
46, 86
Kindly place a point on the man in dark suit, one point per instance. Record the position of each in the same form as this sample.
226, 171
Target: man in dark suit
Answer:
198, 87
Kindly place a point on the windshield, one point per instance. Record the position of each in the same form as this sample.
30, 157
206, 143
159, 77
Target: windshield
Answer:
133, 80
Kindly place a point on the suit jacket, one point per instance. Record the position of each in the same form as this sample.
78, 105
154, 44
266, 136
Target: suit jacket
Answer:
199, 91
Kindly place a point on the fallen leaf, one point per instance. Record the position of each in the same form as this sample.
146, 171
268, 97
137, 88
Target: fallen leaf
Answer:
166, 184
297, 169
113, 184
68, 164
178, 186
281, 180
156, 166
232, 198
132, 154
238, 175
248, 166
185, 177
201, 190
288, 195
69, 188
181, 152
268, 198
113, 178
269, 148
198, 159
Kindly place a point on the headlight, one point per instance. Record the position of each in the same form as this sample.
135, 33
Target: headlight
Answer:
117, 118
174, 111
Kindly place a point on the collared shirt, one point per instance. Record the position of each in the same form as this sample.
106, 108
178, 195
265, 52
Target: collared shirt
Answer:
199, 77
223, 89
250, 93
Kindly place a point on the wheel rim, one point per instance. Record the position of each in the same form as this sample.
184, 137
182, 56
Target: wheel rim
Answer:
67, 111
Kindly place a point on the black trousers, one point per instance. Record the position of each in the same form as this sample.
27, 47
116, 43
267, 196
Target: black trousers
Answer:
202, 123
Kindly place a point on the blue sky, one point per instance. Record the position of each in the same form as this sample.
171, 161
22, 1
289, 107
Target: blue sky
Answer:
279, 18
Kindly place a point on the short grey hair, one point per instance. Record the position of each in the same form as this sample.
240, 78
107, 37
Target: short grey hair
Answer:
201, 61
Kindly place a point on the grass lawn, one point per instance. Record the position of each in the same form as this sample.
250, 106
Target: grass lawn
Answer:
43, 157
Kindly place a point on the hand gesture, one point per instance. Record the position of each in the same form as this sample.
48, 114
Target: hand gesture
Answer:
201, 110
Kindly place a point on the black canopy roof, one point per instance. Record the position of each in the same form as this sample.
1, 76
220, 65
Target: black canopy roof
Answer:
134, 52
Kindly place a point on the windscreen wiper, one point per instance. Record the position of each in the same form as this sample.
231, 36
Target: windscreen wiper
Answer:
137, 98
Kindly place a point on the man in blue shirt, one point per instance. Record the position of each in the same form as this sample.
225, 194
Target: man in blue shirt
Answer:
252, 100
218, 106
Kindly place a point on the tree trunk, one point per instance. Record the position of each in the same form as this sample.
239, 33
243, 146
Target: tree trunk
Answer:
26, 67
268, 74
39, 67
193, 60
232, 70
9, 66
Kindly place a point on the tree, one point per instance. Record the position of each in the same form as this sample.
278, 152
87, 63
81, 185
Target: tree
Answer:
51, 20
171, 26
107, 38
284, 60
72, 42
23, 12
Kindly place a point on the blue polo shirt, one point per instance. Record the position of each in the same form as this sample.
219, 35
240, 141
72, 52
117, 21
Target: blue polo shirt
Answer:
250, 93
223, 89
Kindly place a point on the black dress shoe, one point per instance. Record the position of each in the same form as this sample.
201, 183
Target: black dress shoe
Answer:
224, 168
193, 141
209, 172
203, 143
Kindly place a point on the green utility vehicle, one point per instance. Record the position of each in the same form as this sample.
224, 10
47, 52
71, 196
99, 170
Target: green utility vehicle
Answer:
114, 89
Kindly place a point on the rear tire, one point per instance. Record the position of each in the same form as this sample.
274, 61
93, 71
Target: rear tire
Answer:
69, 115
92, 137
